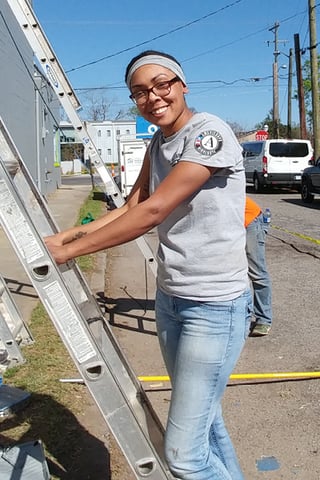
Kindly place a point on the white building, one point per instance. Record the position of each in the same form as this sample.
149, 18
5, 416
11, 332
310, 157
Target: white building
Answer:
104, 135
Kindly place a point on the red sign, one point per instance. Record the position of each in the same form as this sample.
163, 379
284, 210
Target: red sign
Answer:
262, 135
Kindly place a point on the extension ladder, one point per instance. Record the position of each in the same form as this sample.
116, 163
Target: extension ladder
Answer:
78, 319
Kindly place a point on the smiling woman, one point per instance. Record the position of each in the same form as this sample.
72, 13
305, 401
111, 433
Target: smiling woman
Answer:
162, 66
192, 188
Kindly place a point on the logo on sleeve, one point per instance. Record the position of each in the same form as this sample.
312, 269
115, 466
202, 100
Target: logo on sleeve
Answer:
208, 142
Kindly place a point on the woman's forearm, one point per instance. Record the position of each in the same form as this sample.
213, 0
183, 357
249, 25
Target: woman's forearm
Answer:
129, 226
78, 231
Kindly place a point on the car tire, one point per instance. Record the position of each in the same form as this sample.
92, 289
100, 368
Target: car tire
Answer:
256, 184
306, 196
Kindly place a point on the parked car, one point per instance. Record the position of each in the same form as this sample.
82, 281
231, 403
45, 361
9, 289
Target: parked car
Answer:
310, 182
277, 162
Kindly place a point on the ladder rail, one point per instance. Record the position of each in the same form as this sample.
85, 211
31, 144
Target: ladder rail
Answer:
7, 336
26, 18
10, 314
66, 95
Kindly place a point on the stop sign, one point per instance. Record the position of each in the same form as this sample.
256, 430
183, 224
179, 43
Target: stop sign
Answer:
262, 135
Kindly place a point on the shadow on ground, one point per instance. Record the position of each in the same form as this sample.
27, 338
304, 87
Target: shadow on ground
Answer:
72, 453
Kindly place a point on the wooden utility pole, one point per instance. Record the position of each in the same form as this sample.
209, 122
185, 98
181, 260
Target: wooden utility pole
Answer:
275, 75
314, 78
302, 110
289, 123
275, 108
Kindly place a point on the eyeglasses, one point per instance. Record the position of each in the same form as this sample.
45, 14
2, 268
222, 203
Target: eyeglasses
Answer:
161, 89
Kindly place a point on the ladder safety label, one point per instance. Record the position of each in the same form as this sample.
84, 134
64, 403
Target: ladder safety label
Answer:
18, 226
73, 330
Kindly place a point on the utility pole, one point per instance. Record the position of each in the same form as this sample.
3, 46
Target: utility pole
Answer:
314, 78
302, 111
276, 53
275, 109
289, 123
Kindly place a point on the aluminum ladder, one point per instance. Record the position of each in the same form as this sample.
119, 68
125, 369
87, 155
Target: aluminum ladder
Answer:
78, 319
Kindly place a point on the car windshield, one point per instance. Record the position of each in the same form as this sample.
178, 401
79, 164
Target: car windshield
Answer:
286, 149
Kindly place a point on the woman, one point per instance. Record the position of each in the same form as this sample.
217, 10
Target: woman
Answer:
191, 187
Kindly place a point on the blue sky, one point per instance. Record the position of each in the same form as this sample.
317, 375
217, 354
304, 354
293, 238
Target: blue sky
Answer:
222, 45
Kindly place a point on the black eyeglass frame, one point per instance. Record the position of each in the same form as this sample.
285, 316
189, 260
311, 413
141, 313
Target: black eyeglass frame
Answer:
146, 92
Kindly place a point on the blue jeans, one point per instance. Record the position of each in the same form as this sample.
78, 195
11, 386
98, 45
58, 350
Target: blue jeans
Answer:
258, 273
200, 343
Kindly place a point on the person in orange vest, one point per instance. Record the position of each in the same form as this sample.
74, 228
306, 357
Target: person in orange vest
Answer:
257, 269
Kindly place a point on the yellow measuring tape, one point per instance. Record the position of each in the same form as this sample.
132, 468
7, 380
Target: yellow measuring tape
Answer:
240, 376
300, 235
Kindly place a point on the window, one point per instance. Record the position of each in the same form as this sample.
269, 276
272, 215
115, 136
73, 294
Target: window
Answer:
128, 132
65, 139
109, 151
108, 133
288, 149
99, 151
99, 133
118, 132
252, 148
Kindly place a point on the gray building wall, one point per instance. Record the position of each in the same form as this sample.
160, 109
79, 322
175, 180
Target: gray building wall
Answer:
26, 101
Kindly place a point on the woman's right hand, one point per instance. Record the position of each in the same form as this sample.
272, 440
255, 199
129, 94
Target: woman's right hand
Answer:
55, 240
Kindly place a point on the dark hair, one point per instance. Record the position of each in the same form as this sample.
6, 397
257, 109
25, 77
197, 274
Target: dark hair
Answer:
145, 54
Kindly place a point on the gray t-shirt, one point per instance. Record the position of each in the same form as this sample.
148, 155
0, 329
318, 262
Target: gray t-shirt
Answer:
201, 253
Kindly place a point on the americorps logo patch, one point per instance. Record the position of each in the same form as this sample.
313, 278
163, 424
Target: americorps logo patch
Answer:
208, 142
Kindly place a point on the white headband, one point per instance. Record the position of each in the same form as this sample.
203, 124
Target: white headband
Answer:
157, 60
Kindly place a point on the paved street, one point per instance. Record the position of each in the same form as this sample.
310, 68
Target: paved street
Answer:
275, 424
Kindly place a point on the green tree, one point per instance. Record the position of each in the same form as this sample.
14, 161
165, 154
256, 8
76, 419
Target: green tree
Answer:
307, 86
133, 112
70, 151
269, 122
283, 129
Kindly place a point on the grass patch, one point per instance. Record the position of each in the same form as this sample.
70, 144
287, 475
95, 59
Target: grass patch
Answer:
55, 407
95, 206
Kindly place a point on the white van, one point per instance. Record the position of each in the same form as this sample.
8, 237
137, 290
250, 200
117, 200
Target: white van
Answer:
276, 162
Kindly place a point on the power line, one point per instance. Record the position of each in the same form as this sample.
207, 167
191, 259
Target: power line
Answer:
181, 27
245, 37
195, 83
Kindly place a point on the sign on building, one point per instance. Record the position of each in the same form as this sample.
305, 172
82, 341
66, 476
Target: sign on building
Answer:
145, 129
